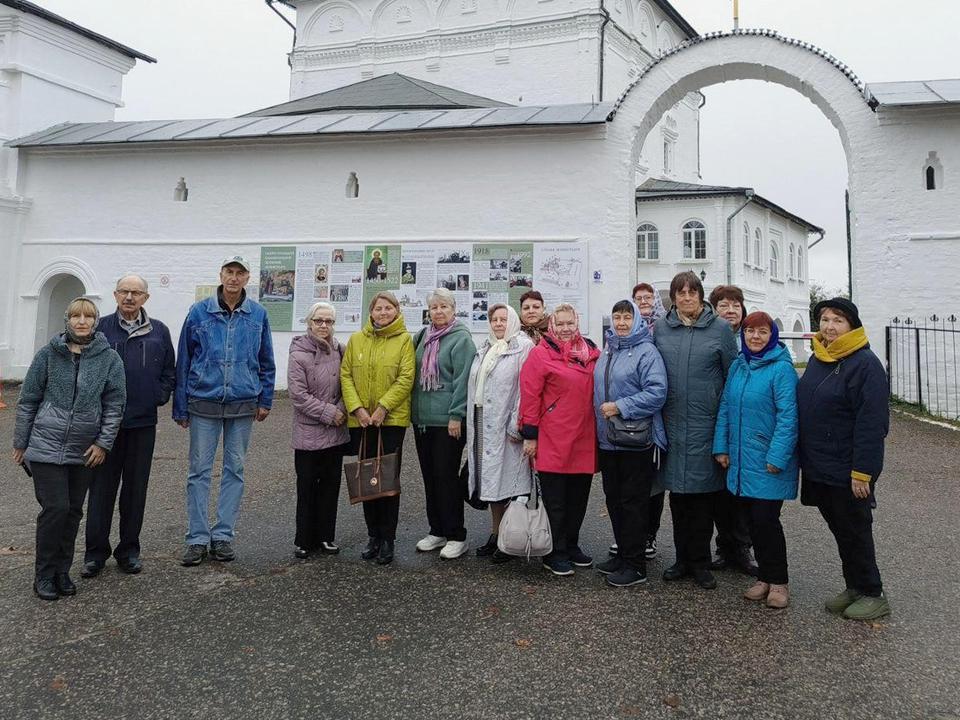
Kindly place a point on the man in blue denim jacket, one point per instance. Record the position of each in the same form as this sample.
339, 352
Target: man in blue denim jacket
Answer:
225, 378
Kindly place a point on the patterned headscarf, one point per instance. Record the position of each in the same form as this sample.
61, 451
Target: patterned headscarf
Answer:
576, 348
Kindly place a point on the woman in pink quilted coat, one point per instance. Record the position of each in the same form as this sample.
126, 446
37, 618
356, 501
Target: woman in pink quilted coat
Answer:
319, 430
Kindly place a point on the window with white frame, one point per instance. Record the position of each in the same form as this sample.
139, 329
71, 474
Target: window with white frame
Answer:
667, 157
648, 242
774, 260
791, 254
800, 267
694, 240
758, 247
746, 244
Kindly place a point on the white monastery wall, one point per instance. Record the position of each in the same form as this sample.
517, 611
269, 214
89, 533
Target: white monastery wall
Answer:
112, 211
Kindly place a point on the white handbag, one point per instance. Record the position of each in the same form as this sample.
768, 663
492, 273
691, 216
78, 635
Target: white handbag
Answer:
525, 527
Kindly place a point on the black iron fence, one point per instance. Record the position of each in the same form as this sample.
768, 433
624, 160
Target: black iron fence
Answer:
922, 363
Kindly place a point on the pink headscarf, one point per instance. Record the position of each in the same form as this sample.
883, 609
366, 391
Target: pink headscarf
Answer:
574, 349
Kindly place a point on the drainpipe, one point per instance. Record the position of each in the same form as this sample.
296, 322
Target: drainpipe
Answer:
811, 245
284, 18
603, 35
703, 101
749, 194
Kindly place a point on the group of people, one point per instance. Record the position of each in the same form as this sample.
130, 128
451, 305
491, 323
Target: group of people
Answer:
701, 401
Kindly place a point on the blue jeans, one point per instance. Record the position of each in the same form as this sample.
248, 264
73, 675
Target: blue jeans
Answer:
204, 438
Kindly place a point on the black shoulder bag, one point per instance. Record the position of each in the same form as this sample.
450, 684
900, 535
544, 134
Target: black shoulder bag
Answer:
622, 433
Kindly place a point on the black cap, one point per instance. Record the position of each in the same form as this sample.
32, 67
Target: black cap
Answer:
847, 308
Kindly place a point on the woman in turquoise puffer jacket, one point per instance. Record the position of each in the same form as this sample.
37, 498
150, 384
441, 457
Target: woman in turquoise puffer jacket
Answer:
756, 440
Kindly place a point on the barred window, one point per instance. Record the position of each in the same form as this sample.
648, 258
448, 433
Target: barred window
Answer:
694, 240
648, 242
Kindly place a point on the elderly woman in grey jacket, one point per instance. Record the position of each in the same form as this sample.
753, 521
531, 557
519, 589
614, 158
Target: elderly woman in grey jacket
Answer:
698, 349
498, 468
319, 430
68, 414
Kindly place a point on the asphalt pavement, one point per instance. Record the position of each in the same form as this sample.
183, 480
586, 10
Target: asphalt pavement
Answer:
270, 636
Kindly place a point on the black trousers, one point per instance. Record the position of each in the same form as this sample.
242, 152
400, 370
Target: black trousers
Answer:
733, 527
318, 492
692, 515
565, 496
850, 519
627, 477
60, 490
769, 544
655, 513
381, 515
440, 456
127, 469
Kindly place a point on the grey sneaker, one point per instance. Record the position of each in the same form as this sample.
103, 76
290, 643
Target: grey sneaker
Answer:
221, 550
193, 555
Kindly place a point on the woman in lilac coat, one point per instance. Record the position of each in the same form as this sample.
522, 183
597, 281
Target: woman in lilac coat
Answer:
319, 430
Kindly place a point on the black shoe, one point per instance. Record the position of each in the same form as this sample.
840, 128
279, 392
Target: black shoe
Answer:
373, 549
744, 563
64, 585
614, 564
300, 553
386, 553
45, 589
499, 557
626, 577
650, 551
489, 548
677, 571
558, 567
704, 578
91, 569
329, 548
222, 550
193, 555
613, 550
130, 565
580, 558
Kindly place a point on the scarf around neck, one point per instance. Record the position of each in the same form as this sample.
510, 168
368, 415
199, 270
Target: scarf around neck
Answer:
574, 349
430, 363
536, 332
842, 347
497, 347
658, 311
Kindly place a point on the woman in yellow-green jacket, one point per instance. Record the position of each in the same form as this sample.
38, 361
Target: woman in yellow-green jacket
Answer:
376, 377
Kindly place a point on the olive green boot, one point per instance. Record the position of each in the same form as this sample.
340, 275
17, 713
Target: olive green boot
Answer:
868, 608
842, 601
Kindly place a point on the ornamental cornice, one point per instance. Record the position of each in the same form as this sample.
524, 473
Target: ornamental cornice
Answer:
65, 40
447, 42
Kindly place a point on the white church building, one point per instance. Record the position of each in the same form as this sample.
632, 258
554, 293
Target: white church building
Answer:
501, 144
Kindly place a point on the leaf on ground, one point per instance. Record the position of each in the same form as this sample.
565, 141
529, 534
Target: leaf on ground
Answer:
631, 711
384, 638
877, 625
491, 611
529, 589
671, 700
58, 683
9, 550
248, 649
523, 643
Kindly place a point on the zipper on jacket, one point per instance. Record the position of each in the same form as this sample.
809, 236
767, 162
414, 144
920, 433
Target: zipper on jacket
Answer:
73, 404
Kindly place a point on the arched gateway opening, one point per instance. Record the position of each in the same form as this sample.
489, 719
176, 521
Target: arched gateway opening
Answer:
54, 297
741, 55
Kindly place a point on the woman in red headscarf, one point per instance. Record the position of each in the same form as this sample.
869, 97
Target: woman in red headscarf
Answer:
557, 424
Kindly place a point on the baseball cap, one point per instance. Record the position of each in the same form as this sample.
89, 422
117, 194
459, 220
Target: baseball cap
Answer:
236, 260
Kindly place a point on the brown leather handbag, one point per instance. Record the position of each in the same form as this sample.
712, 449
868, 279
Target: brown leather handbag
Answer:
372, 478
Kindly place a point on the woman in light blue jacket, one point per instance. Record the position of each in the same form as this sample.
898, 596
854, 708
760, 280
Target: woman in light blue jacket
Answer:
756, 440
629, 385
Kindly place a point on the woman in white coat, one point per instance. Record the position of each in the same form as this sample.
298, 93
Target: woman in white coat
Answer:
498, 468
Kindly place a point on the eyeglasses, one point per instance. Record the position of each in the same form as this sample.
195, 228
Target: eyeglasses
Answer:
135, 294
322, 321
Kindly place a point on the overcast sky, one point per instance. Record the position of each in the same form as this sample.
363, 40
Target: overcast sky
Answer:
220, 58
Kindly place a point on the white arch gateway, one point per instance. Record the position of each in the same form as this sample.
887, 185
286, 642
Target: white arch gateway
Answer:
889, 212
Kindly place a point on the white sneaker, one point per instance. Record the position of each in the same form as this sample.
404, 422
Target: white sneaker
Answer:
431, 542
454, 549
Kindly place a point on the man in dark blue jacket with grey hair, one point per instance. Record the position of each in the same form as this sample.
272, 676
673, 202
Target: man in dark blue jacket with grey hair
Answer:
146, 349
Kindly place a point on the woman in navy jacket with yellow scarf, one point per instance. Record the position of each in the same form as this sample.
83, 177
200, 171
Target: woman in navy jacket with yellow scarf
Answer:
844, 418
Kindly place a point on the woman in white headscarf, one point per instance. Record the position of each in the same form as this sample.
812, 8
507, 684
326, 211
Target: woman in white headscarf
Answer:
498, 468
